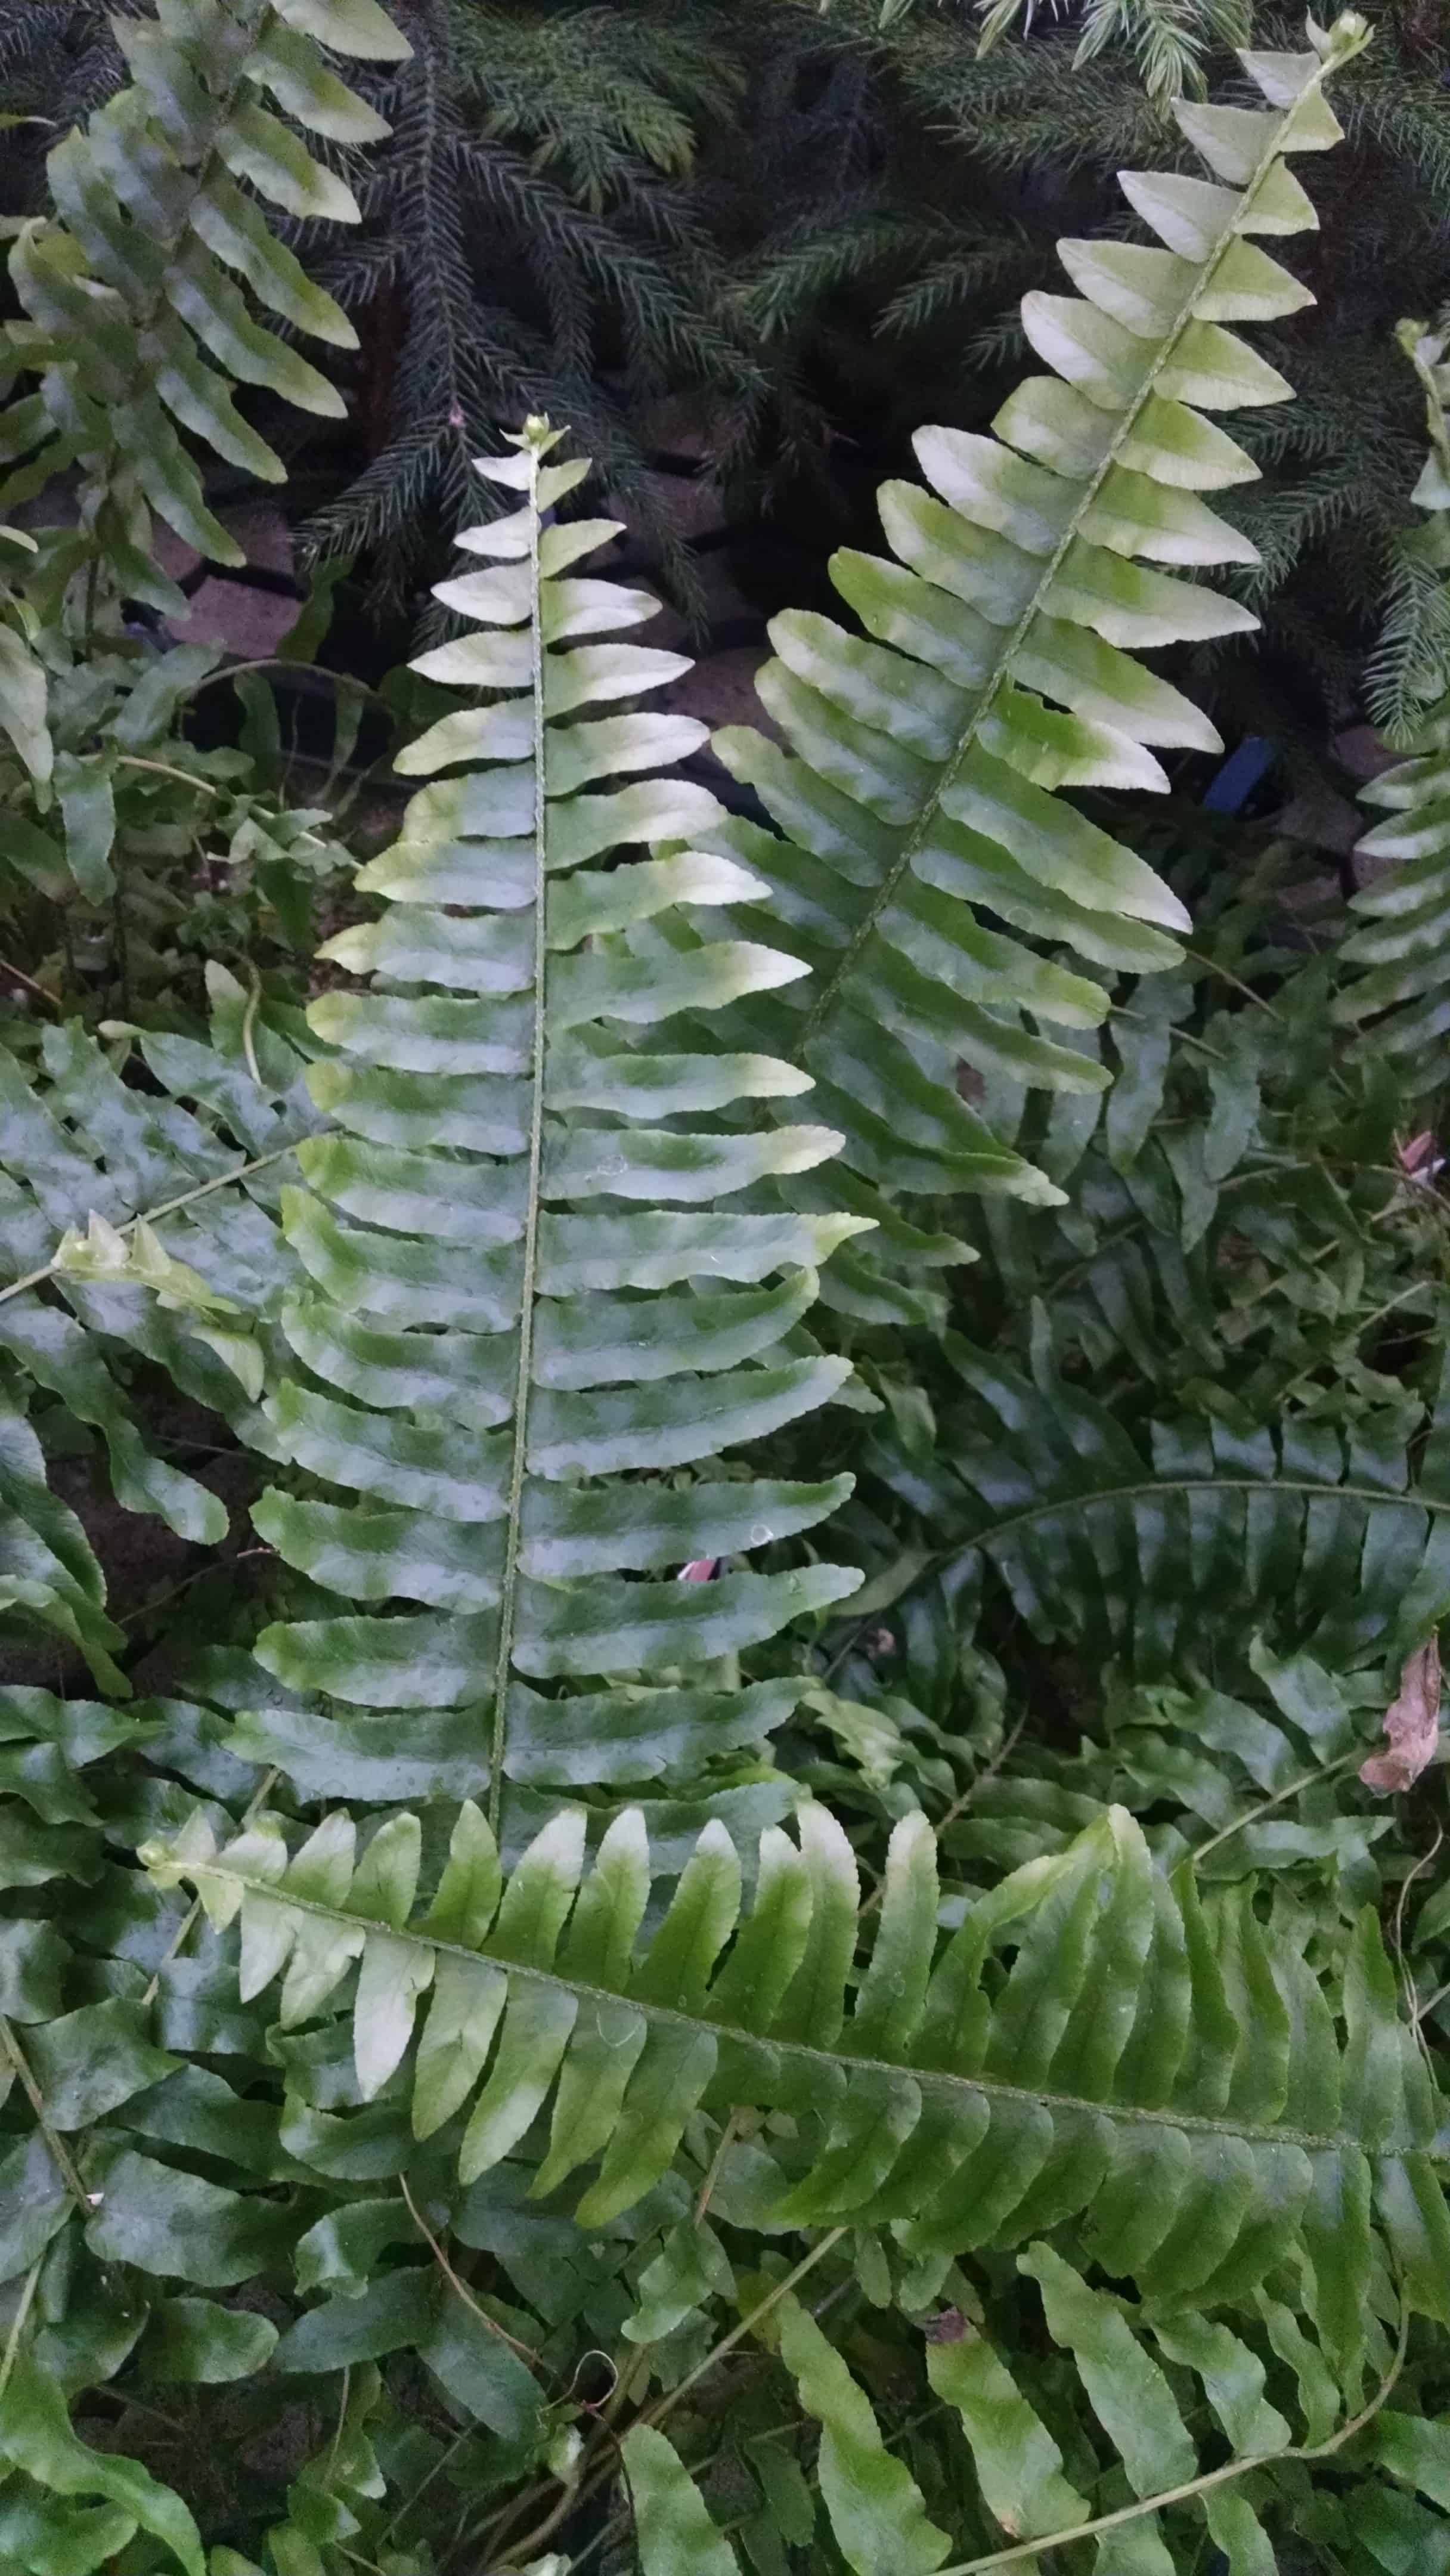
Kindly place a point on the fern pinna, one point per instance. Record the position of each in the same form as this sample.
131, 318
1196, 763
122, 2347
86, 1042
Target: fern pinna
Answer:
511, 1346
919, 796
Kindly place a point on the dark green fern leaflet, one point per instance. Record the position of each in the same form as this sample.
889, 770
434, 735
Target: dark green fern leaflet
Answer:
528, 1313
1404, 992
136, 321
919, 798
1173, 1553
1166, 2072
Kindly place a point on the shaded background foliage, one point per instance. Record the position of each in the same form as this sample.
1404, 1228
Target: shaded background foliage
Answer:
776, 239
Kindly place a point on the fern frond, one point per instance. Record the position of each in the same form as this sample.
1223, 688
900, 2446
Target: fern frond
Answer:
1033, 2385
1160, 2070
1259, 1786
1410, 665
1173, 1558
1404, 991
920, 791
508, 1352
135, 322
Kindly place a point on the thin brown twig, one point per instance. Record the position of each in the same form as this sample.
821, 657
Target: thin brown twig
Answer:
42, 991
525, 2351
60, 2152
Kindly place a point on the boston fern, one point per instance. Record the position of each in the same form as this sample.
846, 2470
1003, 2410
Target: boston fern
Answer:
506, 1323
1110, 2076
921, 783
745, 2091
135, 320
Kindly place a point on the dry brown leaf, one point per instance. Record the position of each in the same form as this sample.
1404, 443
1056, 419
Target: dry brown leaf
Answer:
1412, 1724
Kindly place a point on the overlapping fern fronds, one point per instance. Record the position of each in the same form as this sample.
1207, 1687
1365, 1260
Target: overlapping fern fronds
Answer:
1170, 1552
1404, 908
135, 317
135, 1219
922, 788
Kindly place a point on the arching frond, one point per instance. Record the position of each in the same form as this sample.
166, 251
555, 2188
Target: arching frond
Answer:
1404, 993
928, 843
1093, 2044
1173, 1555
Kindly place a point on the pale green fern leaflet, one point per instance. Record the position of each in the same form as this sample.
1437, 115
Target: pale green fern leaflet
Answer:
135, 319
1096, 2043
928, 853
528, 1315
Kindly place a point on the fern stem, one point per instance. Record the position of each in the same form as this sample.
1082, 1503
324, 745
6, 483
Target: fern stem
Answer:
1306, 1780
153, 1216
508, 1593
1024, 2549
707, 2187
1416, 1502
60, 2153
11, 2353
918, 832
282, 662
1199, 957
167, 769
525, 2351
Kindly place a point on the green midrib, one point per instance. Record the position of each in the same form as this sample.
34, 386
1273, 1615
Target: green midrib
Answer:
508, 1590
918, 831
933, 2081
1088, 1498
